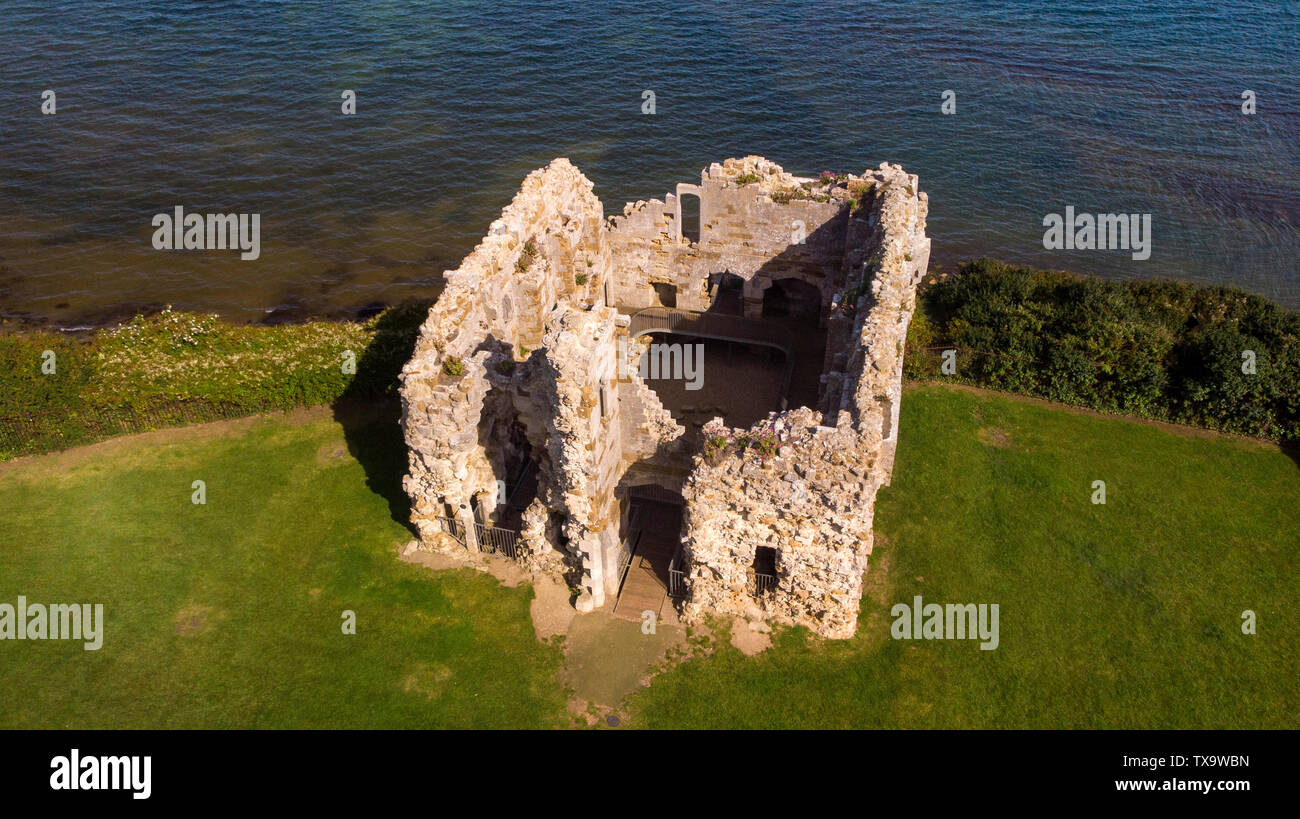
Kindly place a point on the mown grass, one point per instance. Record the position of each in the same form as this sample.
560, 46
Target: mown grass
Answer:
1116, 616
1123, 615
229, 614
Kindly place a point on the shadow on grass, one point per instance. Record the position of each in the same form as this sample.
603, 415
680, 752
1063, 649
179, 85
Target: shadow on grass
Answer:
370, 411
1293, 452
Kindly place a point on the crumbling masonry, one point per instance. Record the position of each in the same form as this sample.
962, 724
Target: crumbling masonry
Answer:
516, 380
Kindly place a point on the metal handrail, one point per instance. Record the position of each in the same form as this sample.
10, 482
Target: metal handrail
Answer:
519, 481
718, 326
710, 325
676, 579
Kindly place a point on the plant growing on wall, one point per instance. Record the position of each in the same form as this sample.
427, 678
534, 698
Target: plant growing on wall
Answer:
453, 366
717, 439
526, 257
860, 194
763, 441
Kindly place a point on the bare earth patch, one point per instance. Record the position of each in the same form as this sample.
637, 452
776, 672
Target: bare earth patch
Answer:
751, 637
507, 572
992, 436
551, 608
605, 657
332, 454
192, 620
426, 679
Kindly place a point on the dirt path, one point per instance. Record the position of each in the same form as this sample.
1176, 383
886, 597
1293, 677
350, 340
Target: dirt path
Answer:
606, 658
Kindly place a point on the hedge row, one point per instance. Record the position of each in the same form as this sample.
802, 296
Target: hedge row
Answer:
1212, 357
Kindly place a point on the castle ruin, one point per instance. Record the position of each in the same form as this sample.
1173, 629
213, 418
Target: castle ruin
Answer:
537, 432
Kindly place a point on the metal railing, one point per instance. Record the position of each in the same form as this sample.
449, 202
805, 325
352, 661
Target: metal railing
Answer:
721, 327
764, 583
454, 528
494, 540
710, 325
676, 579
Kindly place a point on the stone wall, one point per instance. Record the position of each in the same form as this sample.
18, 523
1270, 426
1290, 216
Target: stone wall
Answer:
812, 499
521, 334
526, 337
743, 231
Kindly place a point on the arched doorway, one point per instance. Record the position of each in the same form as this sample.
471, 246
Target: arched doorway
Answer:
794, 299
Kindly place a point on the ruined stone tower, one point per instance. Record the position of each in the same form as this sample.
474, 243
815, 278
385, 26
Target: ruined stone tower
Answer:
533, 435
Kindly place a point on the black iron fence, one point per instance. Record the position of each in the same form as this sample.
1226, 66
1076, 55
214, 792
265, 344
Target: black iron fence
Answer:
764, 584
494, 540
454, 528
676, 579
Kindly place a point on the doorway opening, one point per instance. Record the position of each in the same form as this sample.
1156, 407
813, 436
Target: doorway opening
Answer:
795, 299
650, 551
690, 217
665, 294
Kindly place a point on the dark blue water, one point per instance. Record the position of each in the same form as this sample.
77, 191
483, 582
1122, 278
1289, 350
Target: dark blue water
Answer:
234, 106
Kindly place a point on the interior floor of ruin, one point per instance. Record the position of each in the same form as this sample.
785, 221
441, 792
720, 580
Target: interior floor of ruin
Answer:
743, 382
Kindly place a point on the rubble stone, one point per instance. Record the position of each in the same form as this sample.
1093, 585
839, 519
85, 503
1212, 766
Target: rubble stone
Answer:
521, 352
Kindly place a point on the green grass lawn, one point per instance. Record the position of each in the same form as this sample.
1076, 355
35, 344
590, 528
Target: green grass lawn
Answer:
228, 614
1126, 615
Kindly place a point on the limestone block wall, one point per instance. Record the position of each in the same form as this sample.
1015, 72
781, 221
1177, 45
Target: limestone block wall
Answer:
521, 334
585, 446
813, 499
900, 255
743, 231
525, 333
811, 503
524, 263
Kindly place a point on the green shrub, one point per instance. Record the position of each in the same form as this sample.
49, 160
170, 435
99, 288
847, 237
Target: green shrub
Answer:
526, 257
1158, 349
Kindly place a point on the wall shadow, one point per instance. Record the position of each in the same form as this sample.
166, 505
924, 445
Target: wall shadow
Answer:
370, 411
